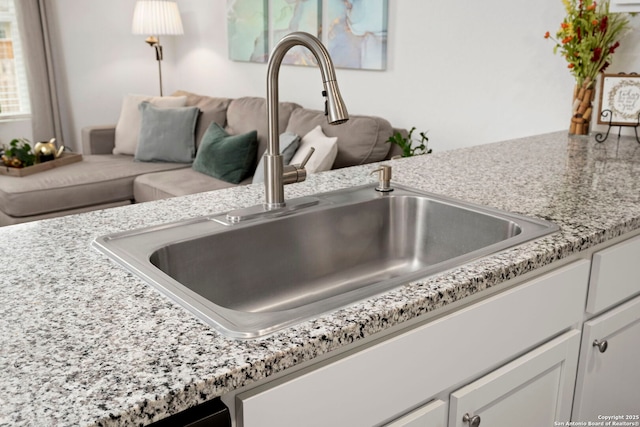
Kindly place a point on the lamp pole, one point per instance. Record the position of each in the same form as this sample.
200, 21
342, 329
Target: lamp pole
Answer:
155, 42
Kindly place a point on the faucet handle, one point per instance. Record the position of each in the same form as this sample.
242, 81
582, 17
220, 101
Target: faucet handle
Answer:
296, 173
307, 157
384, 178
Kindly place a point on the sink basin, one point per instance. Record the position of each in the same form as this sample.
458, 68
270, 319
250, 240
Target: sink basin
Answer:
257, 276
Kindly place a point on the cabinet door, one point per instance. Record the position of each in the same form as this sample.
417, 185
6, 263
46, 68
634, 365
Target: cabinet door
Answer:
433, 414
615, 275
532, 391
609, 382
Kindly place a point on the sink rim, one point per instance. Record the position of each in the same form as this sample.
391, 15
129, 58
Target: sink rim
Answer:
251, 325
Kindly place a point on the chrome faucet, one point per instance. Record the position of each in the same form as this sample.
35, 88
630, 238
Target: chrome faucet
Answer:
276, 175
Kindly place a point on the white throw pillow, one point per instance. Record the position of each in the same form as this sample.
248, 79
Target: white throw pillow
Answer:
325, 154
128, 127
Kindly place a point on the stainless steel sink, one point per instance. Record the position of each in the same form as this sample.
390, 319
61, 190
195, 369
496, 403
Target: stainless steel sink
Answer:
255, 277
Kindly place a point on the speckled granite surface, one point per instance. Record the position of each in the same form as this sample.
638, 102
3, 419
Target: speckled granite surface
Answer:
83, 342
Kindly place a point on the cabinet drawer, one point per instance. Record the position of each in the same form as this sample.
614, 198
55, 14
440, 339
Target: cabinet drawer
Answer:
615, 275
378, 383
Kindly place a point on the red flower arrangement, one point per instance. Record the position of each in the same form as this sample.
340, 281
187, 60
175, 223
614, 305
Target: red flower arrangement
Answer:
588, 37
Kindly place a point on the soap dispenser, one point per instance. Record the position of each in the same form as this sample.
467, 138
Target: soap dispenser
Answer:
384, 177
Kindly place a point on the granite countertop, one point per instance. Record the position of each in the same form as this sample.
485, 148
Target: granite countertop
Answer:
84, 342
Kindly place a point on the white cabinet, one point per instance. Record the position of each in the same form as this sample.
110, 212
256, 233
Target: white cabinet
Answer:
609, 381
382, 382
533, 390
433, 414
609, 369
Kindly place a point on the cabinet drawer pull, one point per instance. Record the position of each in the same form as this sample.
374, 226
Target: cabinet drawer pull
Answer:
473, 421
602, 345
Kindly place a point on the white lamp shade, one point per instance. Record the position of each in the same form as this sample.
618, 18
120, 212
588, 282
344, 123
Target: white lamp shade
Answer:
156, 17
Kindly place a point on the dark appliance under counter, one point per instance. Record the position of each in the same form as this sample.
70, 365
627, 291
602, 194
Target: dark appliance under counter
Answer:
213, 413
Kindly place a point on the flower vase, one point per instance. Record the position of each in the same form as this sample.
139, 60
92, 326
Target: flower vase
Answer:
582, 108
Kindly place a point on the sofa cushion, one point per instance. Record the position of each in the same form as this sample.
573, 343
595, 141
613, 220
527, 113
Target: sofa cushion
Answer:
97, 179
325, 151
249, 113
227, 157
166, 134
173, 183
211, 110
360, 140
128, 126
11, 220
289, 143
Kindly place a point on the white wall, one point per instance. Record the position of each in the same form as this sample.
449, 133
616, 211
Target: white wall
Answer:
468, 75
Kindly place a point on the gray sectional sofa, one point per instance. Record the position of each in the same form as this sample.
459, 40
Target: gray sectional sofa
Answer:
103, 179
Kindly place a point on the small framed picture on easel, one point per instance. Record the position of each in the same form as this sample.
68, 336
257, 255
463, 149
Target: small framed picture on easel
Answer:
619, 100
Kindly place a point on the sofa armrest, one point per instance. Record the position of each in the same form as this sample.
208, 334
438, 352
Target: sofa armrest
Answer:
98, 139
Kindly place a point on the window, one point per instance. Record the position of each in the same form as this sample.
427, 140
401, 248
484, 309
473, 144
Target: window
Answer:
14, 95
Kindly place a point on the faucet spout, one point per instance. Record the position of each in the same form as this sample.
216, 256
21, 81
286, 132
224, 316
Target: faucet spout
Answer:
276, 174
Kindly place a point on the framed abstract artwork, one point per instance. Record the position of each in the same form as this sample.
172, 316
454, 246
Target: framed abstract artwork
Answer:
354, 31
288, 16
620, 98
247, 30
357, 33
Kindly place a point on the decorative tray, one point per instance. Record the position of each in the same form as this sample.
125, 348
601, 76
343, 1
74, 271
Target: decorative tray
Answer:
64, 159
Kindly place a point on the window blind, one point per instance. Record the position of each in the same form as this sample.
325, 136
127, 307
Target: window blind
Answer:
14, 93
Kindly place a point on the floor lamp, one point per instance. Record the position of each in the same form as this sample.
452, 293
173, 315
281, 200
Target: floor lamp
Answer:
156, 18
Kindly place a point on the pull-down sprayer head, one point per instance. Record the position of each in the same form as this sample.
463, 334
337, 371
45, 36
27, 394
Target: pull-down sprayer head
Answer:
335, 109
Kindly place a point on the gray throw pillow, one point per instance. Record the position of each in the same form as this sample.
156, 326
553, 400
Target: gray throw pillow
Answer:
289, 143
230, 158
166, 134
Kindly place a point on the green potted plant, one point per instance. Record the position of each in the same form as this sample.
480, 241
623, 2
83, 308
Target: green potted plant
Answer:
18, 154
407, 144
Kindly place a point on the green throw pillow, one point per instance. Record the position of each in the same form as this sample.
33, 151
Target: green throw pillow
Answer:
166, 134
230, 158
